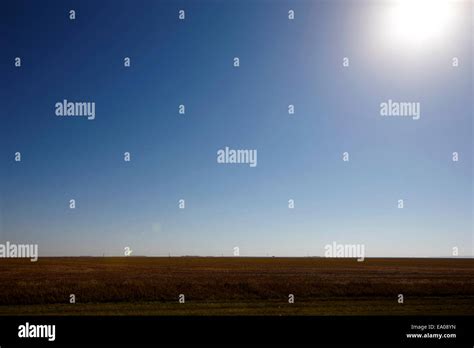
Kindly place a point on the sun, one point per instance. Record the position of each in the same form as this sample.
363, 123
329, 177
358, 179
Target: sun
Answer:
419, 21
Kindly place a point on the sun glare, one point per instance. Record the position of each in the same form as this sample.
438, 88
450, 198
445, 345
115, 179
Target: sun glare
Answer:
419, 21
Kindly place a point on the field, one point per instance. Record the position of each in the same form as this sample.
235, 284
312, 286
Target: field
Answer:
236, 286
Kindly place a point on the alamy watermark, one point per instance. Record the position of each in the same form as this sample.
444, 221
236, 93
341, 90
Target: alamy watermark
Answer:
28, 330
400, 109
228, 155
10, 250
345, 250
67, 108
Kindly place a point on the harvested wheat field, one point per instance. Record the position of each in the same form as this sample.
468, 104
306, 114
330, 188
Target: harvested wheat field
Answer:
236, 286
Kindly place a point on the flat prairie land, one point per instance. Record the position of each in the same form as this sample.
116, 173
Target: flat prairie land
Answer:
236, 286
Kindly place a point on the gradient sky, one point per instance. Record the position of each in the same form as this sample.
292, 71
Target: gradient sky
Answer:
173, 156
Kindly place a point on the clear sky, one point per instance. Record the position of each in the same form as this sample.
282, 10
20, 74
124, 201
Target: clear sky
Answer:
190, 62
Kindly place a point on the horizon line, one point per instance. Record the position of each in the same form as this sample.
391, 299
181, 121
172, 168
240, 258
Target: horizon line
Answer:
252, 256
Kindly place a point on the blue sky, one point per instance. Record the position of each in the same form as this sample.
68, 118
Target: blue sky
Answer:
189, 62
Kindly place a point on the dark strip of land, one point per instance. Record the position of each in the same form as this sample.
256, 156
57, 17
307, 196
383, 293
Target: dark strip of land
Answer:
236, 286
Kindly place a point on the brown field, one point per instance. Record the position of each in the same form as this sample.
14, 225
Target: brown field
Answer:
236, 286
